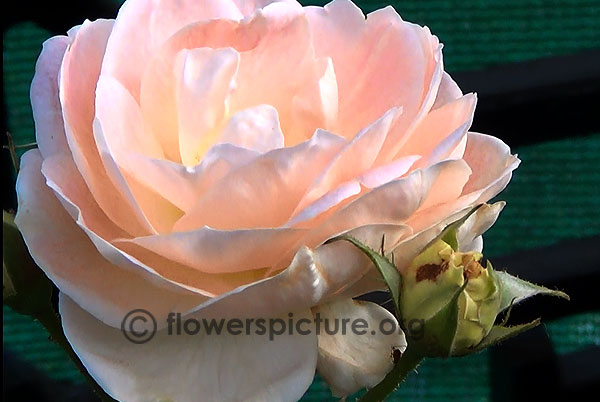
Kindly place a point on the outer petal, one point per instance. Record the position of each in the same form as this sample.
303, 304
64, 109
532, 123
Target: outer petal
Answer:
247, 7
349, 359
77, 91
469, 233
63, 177
441, 131
157, 98
355, 158
219, 252
265, 77
397, 201
447, 92
190, 368
264, 192
182, 185
347, 192
492, 165
380, 63
312, 277
45, 103
72, 262
142, 26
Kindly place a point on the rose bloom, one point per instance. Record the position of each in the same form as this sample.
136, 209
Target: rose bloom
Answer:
195, 156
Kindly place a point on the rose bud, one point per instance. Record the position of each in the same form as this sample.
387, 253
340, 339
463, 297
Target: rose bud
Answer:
457, 298
440, 276
441, 284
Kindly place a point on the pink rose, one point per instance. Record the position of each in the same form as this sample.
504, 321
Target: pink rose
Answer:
195, 155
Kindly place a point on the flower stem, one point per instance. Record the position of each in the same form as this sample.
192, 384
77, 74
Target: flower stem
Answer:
407, 363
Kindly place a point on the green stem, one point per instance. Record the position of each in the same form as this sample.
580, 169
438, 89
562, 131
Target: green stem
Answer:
407, 363
51, 321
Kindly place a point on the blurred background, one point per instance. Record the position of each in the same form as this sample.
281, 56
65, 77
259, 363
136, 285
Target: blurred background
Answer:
535, 65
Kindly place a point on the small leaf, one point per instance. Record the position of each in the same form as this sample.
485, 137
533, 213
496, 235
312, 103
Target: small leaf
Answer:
388, 271
515, 290
501, 333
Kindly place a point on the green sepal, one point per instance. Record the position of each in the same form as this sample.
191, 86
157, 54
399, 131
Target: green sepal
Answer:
440, 330
515, 290
386, 268
500, 333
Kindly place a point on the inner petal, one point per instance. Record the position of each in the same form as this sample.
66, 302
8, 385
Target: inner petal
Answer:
256, 128
204, 81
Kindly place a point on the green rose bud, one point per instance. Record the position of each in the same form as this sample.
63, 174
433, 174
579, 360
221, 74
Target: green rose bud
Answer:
441, 276
449, 293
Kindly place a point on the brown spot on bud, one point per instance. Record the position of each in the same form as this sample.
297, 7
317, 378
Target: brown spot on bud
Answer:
472, 268
431, 271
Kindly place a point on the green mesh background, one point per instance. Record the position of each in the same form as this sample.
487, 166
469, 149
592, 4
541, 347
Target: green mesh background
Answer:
553, 195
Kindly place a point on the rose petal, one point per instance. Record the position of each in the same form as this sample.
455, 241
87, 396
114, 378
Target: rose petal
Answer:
182, 185
316, 209
77, 101
316, 105
192, 367
119, 128
63, 177
469, 233
386, 173
355, 158
264, 77
204, 80
142, 26
491, 162
397, 201
157, 97
353, 359
156, 210
248, 7
256, 128
492, 165
45, 102
265, 192
105, 290
319, 210
122, 122
441, 131
219, 252
379, 63
157, 94
447, 92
